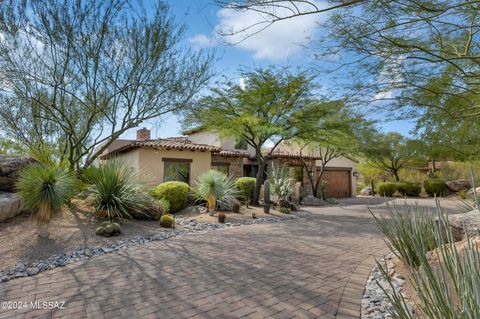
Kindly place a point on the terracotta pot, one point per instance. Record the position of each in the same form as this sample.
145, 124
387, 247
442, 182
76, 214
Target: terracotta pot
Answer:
221, 217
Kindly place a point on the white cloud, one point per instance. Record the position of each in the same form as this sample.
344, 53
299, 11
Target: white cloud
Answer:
202, 41
242, 82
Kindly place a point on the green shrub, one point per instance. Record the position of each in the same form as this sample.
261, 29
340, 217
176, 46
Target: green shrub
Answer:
215, 188
285, 210
245, 187
166, 221
332, 201
165, 204
117, 192
401, 225
409, 188
44, 189
435, 187
176, 193
387, 189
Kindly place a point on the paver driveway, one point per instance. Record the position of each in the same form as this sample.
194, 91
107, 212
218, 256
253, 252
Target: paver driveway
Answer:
314, 267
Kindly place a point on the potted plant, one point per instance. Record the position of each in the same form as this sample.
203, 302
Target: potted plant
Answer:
221, 217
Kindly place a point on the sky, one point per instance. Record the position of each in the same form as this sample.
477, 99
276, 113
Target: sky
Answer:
282, 44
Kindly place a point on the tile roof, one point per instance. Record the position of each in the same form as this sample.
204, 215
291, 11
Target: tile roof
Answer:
286, 154
175, 143
231, 153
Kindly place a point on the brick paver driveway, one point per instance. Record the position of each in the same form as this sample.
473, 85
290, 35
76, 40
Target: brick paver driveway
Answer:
314, 267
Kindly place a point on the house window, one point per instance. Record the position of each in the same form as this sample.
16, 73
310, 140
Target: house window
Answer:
221, 167
241, 144
296, 173
176, 170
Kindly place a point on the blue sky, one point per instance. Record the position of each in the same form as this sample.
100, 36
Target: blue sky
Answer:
279, 45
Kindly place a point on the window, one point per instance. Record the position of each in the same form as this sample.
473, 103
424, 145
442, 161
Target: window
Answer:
296, 173
221, 167
241, 144
176, 170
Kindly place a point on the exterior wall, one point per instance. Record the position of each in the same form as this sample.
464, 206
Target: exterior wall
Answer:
115, 144
214, 139
235, 164
149, 163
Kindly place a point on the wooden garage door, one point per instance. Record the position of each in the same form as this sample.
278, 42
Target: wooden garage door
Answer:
338, 183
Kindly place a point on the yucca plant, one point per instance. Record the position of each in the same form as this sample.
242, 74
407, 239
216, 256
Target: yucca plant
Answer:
446, 289
215, 188
117, 191
44, 189
280, 182
401, 225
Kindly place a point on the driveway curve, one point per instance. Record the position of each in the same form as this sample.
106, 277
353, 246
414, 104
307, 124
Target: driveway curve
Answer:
312, 267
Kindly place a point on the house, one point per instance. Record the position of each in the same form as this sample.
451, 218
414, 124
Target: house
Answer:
185, 158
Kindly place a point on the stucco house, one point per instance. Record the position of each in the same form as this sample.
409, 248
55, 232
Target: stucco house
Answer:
185, 158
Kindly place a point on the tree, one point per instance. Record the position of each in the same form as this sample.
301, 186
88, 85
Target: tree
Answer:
77, 74
271, 106
390, 152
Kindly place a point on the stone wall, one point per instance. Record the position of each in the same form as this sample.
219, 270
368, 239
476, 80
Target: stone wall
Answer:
235, 164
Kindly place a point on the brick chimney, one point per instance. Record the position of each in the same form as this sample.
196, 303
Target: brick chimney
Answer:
143, 134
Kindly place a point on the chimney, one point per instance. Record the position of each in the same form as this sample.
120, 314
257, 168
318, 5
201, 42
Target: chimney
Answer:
143, 134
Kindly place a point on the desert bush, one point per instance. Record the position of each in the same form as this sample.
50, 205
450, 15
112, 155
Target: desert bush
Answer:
216, 188
280, 182
245, 187
44, 189
285, 210
165, 204
108, 229
446, 288
387, 189
401, 225
176, 193
409, 188
166, 221
117, 192
435, 187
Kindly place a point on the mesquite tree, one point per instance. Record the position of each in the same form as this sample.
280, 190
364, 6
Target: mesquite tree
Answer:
76, 74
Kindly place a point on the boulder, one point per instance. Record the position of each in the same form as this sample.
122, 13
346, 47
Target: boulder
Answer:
477, 190
458, 185
367, 191
10, 205
470, 220
10, 167
311, 200
288, 204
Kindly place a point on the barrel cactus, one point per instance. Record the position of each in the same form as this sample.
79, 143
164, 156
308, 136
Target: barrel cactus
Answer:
166, 221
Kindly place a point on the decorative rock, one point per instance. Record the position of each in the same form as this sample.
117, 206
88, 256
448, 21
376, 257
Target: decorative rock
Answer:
367, 191
10, 205
469, 221
311, 200
458, 185
10, 167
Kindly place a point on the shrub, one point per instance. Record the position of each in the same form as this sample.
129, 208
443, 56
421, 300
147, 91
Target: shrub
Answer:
285, 210
216, 189
166, 221
409, 188
108, 229
176, 193
236, 206
446, 289
387, 189
245, 187
435, 187
117, 192
401, 226
279, 179
332, 201
44, 189
165, 204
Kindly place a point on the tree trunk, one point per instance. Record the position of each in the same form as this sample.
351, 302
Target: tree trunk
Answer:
317, 183
258, 182
395, 174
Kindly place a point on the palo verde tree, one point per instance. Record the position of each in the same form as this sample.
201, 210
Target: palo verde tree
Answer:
76, 74
271, 106
390, 152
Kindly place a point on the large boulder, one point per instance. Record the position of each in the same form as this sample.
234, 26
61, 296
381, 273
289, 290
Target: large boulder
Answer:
458, 185
10, 205
10, 167
470, 220
311, 200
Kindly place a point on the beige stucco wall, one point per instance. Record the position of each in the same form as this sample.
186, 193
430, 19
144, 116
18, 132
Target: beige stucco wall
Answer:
214, 139
150, 164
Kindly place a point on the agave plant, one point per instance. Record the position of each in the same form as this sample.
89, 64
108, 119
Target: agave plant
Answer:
280, 182
44, 189
215, 188
117, 191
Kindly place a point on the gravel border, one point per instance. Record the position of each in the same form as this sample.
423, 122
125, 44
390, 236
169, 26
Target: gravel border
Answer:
375, 302
191, 226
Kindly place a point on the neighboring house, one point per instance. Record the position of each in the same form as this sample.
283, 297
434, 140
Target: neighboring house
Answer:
185, 158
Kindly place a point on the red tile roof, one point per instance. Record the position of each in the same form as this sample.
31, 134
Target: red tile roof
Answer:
286, 154
175, 143
231, 153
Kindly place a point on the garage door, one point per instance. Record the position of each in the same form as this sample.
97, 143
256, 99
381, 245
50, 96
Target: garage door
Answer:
338, 182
